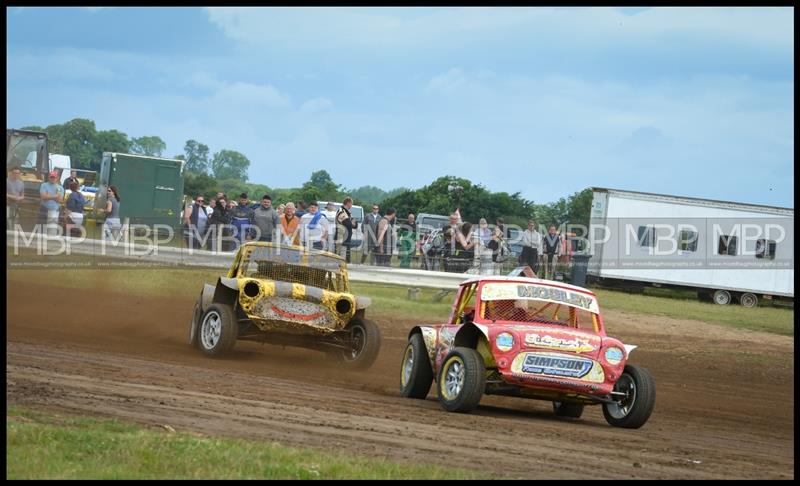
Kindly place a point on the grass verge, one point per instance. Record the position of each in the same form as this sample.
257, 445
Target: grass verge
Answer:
45, 446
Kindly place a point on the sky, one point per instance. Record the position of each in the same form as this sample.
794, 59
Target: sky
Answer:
546, 102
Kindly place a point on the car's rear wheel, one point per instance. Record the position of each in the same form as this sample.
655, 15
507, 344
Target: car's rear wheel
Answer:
363, 345
635, 397
218, 330
570, 410
462, 380
416, 374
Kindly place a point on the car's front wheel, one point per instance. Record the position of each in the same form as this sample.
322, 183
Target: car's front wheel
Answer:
218, 330
462, 380
416, 374
363, 346
635, 397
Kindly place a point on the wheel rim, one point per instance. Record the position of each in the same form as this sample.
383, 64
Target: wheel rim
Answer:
453, 379
722, 297
211, 330
623, 407
748, 300
358, 342
408, 365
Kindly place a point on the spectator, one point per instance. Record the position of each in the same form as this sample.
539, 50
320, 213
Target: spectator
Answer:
112, 225
551, 245
498, 243
330, 215
371, 234
219, 225
52, 196
314, 227
212, 204
483, 233
289, 223
265, 219
407, 235
384, 247
73, 177
343, 230
455, 245
15, 194
196, 220
531, 243
281, 209
75, 204
242, 218
300, 210
483, 254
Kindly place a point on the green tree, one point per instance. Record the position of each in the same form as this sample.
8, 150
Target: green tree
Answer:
320, 187
108, 141
75, 138
230, 164
475, 201
148, 145
196, 157
199, 184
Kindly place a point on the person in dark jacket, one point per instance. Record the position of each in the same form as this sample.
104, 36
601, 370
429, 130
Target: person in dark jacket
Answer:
242, 218
345, 224
219, 226
75, 204
195, 218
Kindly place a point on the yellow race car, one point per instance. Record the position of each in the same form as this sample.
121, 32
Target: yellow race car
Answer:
286, 295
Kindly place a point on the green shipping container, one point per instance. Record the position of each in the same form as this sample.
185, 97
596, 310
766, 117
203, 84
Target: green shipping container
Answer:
150, 188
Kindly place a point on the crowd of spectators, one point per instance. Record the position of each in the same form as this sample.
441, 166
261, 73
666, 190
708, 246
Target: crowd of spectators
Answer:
223, 224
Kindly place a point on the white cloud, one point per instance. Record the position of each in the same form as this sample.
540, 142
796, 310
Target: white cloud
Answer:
242, 93
316, 105
368, 29
59, 65
447, 82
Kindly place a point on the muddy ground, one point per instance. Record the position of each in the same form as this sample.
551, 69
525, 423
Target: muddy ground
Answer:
724, 408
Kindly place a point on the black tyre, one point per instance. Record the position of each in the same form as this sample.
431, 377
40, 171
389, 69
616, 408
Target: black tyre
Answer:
462, 380
748, 300
722, 297
632, 410
218, 330
570, 410
365, 344
416, 374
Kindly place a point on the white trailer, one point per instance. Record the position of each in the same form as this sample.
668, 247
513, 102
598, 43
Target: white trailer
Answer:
723, 250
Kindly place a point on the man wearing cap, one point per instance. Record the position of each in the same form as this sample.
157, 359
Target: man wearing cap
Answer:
52, 195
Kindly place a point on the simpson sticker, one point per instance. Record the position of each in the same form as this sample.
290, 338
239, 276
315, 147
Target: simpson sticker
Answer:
546, 341
557, 366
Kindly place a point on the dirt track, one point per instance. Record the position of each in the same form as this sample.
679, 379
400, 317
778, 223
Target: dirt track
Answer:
724, 408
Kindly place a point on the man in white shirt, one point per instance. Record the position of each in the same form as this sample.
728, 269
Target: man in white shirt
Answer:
314, 228
330, 215
531, 243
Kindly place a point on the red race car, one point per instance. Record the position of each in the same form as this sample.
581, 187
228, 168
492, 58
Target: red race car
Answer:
530, 338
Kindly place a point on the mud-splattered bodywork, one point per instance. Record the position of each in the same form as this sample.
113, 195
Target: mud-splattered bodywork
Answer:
288, 290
